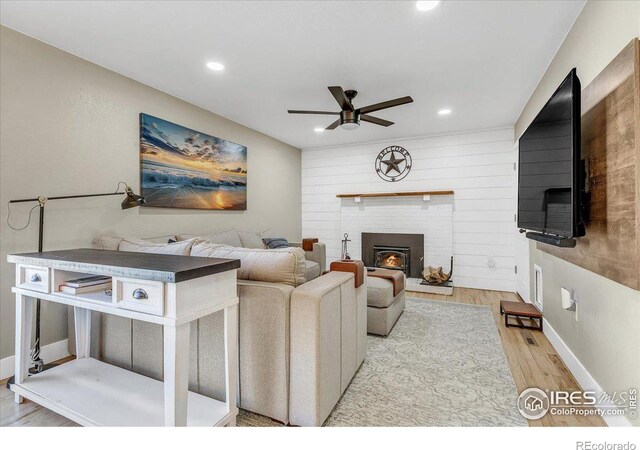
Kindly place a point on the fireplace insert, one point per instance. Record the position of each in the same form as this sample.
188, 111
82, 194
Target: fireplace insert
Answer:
402, 251
394, 258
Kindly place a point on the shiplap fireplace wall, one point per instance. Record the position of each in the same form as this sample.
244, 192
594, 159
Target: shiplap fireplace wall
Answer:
478, 167
432, 218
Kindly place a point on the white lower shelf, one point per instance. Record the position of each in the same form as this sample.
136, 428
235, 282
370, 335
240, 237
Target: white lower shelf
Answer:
93, 393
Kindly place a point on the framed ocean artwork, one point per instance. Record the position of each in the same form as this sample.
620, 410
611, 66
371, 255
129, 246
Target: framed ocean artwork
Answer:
184, 168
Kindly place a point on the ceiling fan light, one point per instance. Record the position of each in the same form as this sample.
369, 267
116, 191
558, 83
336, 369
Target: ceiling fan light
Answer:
349, 125
349, 120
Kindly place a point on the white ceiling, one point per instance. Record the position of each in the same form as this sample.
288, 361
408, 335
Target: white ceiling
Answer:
482, 59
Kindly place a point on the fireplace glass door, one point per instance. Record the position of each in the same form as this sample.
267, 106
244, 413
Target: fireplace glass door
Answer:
394, 258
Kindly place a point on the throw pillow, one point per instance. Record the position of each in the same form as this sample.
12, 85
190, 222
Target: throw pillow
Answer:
284, 265
206, 249
276, 243
229, 237
106, 242
140, 246
251, 240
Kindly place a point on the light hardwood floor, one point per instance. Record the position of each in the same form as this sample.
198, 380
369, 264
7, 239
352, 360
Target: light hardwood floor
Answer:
534, 364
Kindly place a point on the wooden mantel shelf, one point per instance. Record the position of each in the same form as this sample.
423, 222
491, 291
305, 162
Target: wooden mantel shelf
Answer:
397, 194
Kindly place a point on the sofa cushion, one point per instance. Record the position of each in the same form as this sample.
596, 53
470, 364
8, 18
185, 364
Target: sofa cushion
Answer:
251, 240
272, 265
311, 270
379, 292
141, 246
229, 237
207, 250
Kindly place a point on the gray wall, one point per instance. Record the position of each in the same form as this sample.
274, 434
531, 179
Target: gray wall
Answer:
606, 336
71, 127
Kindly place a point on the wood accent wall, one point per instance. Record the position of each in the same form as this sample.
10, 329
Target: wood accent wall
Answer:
611, 145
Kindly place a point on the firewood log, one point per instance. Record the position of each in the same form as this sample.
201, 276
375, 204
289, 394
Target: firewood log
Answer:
435, 275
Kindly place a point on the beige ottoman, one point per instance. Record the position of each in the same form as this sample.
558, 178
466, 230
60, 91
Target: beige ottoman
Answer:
383, 309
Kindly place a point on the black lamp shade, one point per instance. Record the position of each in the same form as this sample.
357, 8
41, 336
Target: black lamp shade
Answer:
132, 200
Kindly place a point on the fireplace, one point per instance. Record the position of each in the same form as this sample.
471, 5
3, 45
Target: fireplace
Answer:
394, 258
395, 251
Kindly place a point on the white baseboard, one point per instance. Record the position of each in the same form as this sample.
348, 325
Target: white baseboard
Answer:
49, 353
579, 372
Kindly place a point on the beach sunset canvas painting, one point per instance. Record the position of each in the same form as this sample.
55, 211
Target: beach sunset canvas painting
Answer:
183, 168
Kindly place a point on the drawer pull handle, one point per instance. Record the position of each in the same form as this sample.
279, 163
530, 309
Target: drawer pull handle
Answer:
140, 294
35, 278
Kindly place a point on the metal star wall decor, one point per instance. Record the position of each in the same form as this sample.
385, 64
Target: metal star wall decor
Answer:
393, 163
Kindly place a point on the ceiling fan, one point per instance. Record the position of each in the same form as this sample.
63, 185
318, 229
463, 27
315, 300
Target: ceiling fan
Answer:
350, 117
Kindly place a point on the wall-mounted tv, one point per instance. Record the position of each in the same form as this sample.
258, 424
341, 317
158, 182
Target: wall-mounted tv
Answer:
550, 176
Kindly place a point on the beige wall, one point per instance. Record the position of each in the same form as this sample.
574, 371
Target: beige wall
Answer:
71, 127
606, 336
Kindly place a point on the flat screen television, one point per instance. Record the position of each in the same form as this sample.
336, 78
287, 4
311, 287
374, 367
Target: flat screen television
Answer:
551, 175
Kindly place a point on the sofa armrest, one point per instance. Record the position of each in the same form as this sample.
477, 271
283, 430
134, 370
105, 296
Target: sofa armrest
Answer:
318, 254
318, 346
264, 347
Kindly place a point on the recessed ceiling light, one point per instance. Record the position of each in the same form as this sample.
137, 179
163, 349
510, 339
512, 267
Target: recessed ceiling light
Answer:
318, 130
444, 112
427, 5
215, 66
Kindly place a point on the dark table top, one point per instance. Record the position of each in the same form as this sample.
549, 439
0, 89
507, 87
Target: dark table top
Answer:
150, 266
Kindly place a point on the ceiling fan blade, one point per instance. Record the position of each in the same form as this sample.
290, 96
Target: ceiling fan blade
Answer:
334, 125
341, 98
385, 105
297, 111
376, 120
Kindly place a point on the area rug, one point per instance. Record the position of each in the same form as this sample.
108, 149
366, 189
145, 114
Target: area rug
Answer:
443, 364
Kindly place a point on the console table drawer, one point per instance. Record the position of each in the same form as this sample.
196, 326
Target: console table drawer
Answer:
139, 295
34, 278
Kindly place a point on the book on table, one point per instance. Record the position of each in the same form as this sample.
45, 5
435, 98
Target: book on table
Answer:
89, 280
82, 290
89, 283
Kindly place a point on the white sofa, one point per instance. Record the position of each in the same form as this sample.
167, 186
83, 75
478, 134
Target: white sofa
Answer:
302, 336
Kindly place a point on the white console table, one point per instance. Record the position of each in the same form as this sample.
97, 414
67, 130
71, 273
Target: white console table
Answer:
171, 291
